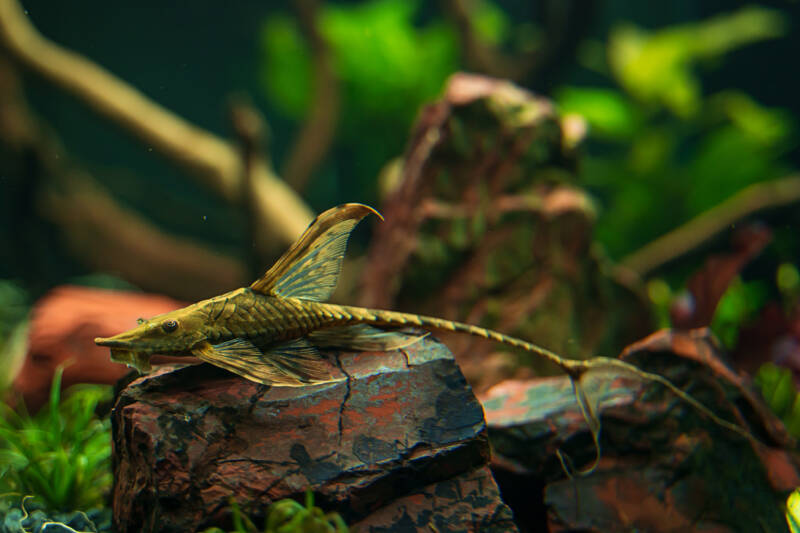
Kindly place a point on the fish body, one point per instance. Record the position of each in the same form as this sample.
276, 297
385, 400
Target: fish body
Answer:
270, 332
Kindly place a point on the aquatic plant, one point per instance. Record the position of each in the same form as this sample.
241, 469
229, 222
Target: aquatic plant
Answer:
288, 516
62, 455
658, 139
780, 392
793, 511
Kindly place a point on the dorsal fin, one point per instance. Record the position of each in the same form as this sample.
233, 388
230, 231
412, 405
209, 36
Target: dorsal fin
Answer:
311, 267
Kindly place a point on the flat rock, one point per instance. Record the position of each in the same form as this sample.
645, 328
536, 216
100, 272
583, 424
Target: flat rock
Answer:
508, 246
664, 467
466, 502
399, 437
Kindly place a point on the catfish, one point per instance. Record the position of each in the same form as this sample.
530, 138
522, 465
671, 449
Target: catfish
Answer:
271, 331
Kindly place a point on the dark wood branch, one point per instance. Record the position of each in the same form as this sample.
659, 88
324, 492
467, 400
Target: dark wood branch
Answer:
479, 55
111, 238
97, 230
565, 23
282, 215
250, 129
319, 127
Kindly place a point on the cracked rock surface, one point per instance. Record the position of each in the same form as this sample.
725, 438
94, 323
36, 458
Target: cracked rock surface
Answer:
398, 444
664, 467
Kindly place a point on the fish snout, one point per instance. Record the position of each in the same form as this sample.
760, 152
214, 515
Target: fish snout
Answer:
110, 342
123, 340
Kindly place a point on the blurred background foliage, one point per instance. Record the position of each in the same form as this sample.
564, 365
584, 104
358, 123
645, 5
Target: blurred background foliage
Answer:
686, 104
388, 65
661, 143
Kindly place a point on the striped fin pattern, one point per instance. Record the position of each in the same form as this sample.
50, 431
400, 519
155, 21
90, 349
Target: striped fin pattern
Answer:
310, 269
290, 364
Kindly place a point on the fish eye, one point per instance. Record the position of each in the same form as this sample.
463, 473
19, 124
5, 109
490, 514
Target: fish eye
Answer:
140, 321
169, 326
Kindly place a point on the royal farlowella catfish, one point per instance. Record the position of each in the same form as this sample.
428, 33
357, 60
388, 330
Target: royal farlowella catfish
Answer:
271, 331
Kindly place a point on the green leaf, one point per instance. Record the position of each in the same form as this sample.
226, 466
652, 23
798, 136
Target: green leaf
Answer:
607, 111
787, 278
781, 395
286, 68
61, 455
288, 516
388, 63
793, 511
761, 125
776, 387
740, 303
657, 67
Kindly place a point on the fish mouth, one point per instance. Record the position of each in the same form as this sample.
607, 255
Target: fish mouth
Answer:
138, 360
125, 352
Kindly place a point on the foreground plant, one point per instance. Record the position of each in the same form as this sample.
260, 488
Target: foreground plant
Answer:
62, 455
25, 514
288, 516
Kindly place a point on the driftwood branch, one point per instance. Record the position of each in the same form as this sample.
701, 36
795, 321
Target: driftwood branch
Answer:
700, 229
565, 23
111, 238
282, 215
319, 127
250, 130
480, 55
95, 228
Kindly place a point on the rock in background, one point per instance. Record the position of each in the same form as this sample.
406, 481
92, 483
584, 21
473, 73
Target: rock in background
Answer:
400, 441
64, 324
487, 223
664, 467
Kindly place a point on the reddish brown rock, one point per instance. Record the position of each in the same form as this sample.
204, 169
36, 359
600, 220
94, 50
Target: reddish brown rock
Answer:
63, 326
487, 223
400, 436
664, 466
445, 506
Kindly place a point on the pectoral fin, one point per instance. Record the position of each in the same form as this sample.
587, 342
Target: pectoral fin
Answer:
300, 360
289, 364
363, 337
310, 268
240, 357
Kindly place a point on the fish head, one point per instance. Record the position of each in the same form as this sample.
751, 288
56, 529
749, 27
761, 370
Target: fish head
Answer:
173, 333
